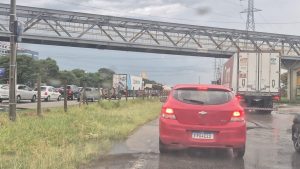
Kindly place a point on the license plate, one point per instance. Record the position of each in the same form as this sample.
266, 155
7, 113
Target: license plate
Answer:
203, 135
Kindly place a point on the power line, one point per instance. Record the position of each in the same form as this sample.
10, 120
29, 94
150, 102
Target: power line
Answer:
180, 19
161, 17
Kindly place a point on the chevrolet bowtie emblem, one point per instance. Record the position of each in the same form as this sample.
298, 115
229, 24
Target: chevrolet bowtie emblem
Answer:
202, 113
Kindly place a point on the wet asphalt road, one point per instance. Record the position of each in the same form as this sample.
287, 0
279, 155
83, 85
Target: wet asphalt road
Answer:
268, 146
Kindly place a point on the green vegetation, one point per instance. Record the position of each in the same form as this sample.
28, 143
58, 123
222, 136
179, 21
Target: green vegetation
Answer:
27, 69
284, 100
68, 140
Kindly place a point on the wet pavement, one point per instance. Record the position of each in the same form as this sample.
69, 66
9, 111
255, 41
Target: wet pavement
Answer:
269, 146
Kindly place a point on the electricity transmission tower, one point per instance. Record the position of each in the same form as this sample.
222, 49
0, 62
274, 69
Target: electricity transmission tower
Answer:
250, 24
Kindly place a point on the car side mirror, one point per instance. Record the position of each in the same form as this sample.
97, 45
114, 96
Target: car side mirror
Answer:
163, 99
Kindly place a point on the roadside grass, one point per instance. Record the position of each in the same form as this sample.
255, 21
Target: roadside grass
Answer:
68, 140
284, 100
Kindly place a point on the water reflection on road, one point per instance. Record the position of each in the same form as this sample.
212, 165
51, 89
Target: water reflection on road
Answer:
269, 146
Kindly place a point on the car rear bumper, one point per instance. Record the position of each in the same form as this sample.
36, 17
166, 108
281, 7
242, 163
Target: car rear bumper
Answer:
176, 136
44, 96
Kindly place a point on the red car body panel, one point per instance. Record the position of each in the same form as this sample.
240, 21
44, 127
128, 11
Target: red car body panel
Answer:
177, 133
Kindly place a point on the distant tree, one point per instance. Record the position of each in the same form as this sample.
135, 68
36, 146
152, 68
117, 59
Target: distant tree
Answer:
26, 70
93, 79
284, 78
79, 73
106, 76
49, 71
69, 77
4, 63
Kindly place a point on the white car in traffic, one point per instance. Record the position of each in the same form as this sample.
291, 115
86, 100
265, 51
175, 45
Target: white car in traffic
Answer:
4, 92
24, 92
49, 93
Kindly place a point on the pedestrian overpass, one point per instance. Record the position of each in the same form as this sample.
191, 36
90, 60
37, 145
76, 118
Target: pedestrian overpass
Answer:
65, 28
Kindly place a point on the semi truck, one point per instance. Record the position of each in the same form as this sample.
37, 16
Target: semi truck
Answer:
132, 83
255, 79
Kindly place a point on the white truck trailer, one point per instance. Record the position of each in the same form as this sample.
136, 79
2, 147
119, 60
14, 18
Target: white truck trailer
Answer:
255, 78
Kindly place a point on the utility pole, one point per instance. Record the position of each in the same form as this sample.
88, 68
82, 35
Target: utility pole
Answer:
39, 107
12, 66
250, 24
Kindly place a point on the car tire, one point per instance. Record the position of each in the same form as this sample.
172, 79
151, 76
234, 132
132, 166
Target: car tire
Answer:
239, 152
33, 99
59, 98
296, 141
72, 97
1, 100
18, 99
162, 148
47, 99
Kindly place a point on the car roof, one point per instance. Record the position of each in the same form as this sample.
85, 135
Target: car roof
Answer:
210, 86
46, 86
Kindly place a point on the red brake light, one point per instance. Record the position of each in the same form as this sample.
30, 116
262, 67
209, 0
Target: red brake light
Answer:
276, 98
237, 116
168, 113
239, 97
46, 93
202, 88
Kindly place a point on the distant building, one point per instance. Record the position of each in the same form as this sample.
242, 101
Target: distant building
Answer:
144, 75
5, 50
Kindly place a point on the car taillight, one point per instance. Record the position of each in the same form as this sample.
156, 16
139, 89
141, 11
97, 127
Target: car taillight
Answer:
237, 116
168, 113
276, 98
239, 97
46, 93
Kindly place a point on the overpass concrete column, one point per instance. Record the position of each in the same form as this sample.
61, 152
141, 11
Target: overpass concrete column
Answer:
292, 84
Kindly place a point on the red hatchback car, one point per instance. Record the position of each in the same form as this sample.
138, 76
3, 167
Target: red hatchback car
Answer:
202, 116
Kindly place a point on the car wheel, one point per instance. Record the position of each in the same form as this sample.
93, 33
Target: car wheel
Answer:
162, 148
72, 97
59, 98
18, 99
1, 101
239, 152
33, 99
296, 141
47, 99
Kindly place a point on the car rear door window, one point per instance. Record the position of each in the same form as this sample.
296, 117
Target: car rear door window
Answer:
22, 87
203, 97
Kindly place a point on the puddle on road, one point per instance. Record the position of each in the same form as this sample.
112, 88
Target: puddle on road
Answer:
189, 159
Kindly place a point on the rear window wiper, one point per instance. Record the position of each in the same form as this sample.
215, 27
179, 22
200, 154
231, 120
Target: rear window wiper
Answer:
194, 101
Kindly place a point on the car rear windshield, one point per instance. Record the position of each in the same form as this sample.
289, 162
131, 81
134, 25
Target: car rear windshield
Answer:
5, 87
203, 97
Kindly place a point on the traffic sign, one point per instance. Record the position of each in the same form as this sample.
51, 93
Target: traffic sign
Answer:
2, 72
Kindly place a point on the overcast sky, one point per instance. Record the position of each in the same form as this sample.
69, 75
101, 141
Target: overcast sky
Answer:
277, 16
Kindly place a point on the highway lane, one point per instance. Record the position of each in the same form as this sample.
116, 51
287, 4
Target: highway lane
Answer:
269, 146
